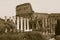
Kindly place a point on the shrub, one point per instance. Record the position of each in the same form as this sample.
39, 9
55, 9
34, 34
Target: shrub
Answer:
22, 36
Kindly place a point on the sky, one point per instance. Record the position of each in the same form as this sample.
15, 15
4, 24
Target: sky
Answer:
8, 7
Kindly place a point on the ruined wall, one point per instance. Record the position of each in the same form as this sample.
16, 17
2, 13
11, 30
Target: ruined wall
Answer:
23, 16
45, 21
52, 21
40, 21
24, 9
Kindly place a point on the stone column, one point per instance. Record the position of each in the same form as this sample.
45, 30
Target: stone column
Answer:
18, 24
46, 21
21, 24
24, 24
43, 22
6, 21
28, 24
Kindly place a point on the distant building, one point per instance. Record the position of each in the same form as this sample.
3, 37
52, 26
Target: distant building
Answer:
28, 20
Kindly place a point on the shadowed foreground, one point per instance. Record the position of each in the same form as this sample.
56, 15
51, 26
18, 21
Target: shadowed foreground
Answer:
22, 36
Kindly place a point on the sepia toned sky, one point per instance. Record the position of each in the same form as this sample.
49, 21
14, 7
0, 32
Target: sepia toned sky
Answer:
7, 7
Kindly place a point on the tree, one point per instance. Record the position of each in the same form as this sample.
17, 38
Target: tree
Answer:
6, 25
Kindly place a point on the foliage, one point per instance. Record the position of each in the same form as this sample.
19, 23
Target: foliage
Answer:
22, 36
4, 25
